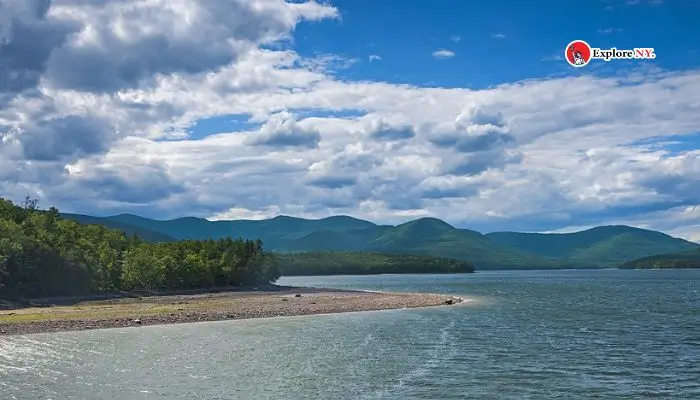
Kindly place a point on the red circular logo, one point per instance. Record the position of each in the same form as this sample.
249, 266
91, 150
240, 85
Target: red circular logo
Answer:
578, 53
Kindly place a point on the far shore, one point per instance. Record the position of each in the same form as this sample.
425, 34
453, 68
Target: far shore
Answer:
118, 311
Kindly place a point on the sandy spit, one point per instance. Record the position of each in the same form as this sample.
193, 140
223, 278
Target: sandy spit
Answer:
159, 310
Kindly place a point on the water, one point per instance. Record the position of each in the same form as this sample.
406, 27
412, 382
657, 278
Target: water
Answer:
527, 335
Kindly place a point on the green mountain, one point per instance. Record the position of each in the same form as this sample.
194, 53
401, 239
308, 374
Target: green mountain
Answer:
430, 236
686, 259
145, 234
605, 246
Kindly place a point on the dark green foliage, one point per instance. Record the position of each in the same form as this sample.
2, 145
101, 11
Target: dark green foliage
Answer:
688, 259
355, 263
44, 255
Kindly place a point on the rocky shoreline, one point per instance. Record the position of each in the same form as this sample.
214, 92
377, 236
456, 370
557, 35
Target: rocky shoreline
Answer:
173, 309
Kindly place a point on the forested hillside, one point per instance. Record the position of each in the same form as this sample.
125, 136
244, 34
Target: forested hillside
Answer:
605, 246
354, 263
688, 259
42, 255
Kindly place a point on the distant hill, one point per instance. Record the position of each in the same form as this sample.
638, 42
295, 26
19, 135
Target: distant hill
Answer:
145, 234
430, 236
605, 246
686, 259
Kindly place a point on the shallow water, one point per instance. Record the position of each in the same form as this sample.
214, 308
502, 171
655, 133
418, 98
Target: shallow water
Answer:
526, 335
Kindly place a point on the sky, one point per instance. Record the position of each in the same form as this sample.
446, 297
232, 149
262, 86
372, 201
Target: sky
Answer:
382, 110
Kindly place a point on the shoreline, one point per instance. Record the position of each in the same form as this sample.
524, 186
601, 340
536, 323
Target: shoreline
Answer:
125, 312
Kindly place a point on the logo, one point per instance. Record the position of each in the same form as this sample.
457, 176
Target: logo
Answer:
579, 53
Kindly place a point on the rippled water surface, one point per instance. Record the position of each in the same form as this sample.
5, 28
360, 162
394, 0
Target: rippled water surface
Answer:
526, 335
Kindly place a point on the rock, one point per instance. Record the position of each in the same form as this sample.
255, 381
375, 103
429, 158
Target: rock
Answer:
297, 295
285, 299
88, 326
136, 321
449, 301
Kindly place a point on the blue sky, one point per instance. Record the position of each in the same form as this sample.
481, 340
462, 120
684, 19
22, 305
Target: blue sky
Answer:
497, 41
383, 110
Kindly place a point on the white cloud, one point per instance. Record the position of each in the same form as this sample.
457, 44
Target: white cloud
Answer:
534, 155
443, 54
374, 57
553, 57
498, 36
456, 38
640, 2
607, 31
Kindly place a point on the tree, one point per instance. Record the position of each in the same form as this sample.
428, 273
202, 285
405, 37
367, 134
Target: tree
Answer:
42, 254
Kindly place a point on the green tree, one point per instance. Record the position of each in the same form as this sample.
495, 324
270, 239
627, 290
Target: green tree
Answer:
42, 254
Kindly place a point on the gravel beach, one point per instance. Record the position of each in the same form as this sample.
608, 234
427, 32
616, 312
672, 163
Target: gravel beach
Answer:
157, 310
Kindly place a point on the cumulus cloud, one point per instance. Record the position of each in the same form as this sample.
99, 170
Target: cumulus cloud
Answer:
27, 40
124, 44
443, 54
343, 169
381, 129
99, 102
64, 137
282, 131
142, 183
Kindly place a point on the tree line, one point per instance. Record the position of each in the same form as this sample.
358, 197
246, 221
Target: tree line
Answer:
689, 259
44, 255
363, 263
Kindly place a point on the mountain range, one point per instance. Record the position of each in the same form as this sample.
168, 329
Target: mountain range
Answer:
600, 247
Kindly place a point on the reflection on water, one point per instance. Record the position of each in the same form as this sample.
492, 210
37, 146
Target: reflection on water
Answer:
538, 335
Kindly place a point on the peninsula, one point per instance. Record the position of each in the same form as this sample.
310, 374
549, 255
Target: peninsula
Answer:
271, 301
57, 274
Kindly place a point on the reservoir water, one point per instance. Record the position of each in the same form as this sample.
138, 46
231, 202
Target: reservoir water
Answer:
525, 335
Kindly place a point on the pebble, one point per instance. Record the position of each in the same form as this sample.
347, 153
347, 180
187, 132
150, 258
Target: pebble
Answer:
343, 302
